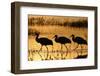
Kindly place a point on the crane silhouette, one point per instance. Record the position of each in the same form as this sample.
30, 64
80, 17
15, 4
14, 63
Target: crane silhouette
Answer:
79, 40
44, 42
62, 40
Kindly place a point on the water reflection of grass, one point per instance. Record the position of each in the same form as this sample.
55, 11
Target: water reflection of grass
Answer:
49, 31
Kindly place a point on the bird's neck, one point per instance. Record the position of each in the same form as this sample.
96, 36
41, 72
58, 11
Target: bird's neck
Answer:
73, 38
37, 37
56, 39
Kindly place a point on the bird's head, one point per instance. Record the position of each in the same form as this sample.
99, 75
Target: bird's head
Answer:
36, 33
72, 35
55, 36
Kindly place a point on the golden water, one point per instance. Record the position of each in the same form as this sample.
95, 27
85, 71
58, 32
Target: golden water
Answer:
49, 31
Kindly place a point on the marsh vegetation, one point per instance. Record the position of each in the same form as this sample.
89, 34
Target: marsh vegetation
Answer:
48, 27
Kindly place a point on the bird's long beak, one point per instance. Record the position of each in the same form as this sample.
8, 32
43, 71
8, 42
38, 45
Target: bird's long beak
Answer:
70, 36
53, 37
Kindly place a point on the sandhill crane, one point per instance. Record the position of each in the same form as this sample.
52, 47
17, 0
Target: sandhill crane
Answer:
44, 42
79, 41
62, 40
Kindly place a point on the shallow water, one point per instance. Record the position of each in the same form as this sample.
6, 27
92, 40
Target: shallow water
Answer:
55, 53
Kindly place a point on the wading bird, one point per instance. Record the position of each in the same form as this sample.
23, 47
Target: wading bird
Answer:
79, 40
44, 42
62, 40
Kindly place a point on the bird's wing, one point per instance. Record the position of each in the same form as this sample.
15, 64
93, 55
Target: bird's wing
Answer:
43, 38
80, 39
63, 39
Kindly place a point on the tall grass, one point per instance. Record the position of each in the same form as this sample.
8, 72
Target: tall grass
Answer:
57, 20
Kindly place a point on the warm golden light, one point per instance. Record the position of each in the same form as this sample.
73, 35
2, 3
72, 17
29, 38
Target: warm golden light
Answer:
63, 26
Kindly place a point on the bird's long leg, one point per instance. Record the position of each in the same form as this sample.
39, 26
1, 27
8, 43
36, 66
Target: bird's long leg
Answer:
70, 46
76, 50
47, 53
61, 51
69, 50
41, 48
39, 52
52, 53
81, 49
61, 46
76, 47
66, 47
66, 50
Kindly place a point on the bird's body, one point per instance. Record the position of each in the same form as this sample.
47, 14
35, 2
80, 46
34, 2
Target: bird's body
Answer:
80, 41
44, 42
62, 40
